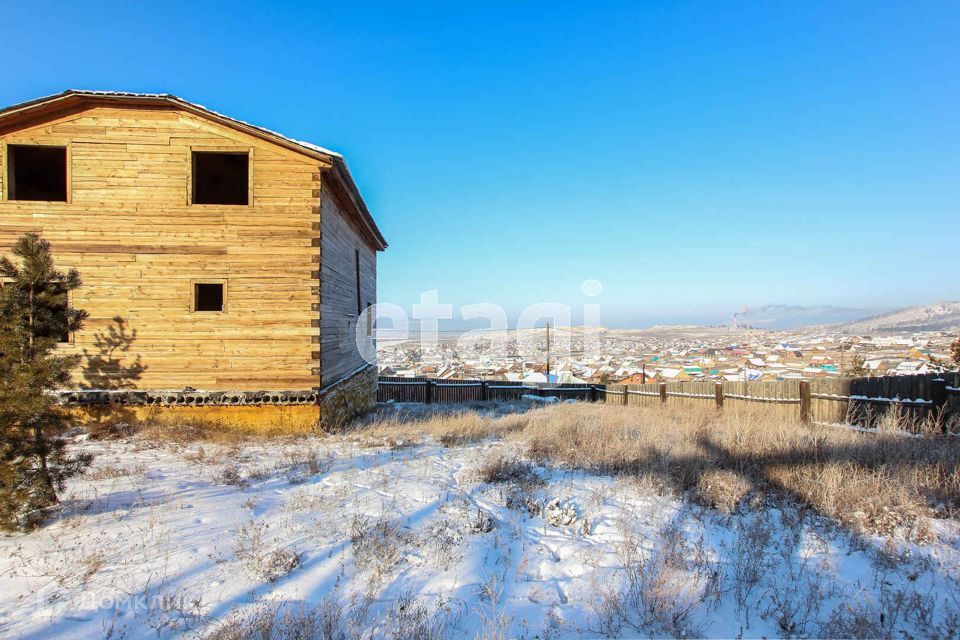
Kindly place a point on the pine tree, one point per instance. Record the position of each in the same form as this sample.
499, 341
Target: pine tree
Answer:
34, 318
955, 352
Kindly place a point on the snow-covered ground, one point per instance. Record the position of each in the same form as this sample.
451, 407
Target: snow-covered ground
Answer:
403, 539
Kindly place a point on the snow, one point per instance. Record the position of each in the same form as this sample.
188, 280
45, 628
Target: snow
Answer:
542, 399
152, 543
892, 400
132, 94
931, 317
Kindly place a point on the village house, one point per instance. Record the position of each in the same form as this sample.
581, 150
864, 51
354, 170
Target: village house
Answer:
637, 378
672, 375
225, 266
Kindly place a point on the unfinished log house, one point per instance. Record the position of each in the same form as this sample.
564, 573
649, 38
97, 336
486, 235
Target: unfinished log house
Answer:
225, 266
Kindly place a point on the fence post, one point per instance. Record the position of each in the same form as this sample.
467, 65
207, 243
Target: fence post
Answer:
626, 395
663, 392
718, 394
483, 390
805, 401
593, 393
938, 394
429, 394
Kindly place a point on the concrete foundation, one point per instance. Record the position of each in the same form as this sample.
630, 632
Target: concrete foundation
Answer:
284, 411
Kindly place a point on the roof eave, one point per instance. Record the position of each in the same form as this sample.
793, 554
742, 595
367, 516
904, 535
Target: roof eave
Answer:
343, 174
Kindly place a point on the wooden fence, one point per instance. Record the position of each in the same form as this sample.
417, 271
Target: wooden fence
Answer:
431, 390
858, 401
788, 399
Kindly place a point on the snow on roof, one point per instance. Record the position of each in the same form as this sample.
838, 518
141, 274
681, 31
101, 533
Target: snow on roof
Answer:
169, 96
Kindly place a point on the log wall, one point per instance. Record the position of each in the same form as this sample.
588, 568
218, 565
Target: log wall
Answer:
140, 245
341, 243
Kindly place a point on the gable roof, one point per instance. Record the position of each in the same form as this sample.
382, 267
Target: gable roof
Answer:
39, 110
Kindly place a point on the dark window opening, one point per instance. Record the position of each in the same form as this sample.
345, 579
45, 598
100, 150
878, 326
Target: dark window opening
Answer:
207, 297
57, 324
221, 178
62, 323
356, 264
37, 173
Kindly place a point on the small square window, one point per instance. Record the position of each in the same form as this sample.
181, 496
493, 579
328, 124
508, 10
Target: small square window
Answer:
37, 173
221, 178
208, 297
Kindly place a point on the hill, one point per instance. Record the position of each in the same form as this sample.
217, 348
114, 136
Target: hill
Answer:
929, 317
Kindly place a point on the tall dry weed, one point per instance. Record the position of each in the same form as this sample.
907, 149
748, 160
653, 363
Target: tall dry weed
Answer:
879, 481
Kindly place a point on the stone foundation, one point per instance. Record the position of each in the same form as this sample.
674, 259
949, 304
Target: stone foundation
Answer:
348, 398
286, 411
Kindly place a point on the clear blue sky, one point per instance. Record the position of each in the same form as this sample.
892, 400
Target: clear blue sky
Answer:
694, 157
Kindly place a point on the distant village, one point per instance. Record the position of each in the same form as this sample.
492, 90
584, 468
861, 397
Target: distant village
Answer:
666, 354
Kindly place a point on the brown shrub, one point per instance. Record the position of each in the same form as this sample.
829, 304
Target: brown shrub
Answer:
111, 429
501, 467
261, 560
722, 489
450, 428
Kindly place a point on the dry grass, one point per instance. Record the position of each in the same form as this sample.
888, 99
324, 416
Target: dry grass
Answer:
879, 481
407, 618
500, 467
722, 489
450, 428
180, 431
377, 545
273, 621
259, 558
895, 418
663, 584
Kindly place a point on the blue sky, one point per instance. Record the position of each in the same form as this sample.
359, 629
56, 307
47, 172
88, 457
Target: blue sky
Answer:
693, 157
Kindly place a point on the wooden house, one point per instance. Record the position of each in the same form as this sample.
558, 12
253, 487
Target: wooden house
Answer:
636, 378
223, 264
672, 375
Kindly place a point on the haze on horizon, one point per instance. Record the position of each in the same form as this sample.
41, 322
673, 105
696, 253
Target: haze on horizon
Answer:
774, 317
694, 159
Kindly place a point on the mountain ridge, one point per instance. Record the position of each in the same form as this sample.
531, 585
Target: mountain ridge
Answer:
939, 316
